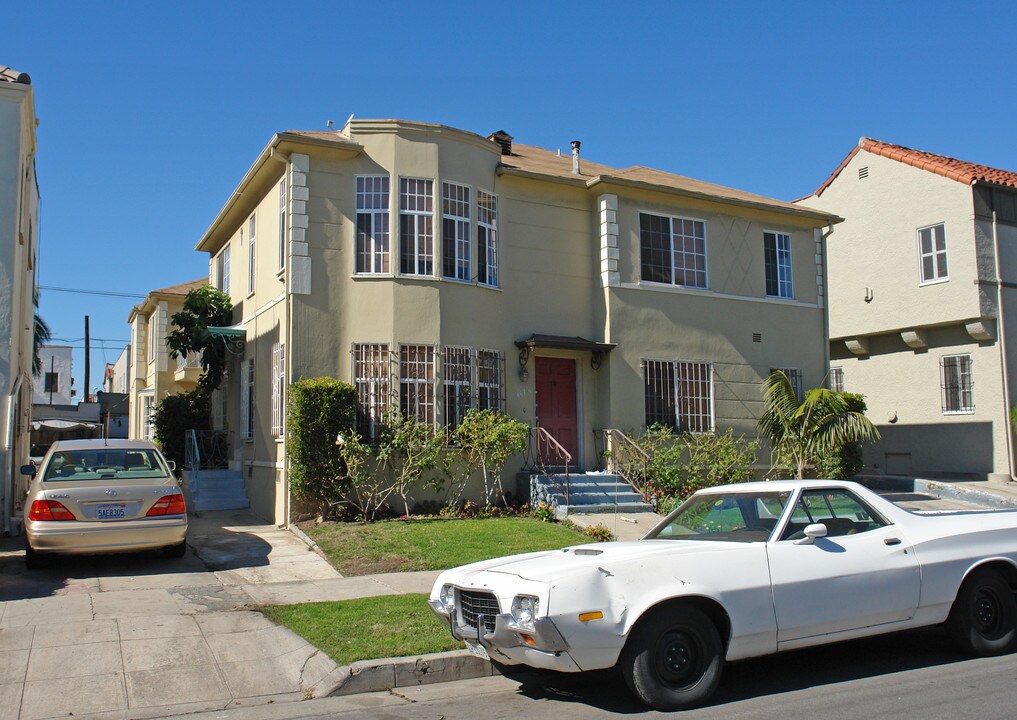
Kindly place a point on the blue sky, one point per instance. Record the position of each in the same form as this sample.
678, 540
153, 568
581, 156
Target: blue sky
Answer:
151, 113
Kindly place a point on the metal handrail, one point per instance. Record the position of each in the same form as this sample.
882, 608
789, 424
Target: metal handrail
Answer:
535, 460
192, 453
616, 438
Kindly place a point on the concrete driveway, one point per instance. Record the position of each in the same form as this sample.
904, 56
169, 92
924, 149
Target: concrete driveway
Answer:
142, 635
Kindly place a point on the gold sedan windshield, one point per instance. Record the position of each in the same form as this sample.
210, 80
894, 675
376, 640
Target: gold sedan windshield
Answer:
104, 464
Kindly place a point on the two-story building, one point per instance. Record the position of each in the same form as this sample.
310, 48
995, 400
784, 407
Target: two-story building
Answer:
922, 305
436, 270
152, 374
53, 384
19, 242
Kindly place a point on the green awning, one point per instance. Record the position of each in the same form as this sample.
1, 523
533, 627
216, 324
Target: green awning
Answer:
234, 331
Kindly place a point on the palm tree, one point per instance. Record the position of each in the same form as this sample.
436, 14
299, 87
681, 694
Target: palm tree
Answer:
42, 336
799, 430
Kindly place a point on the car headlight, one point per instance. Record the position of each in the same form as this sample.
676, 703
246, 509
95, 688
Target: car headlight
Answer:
524, 609
448, 598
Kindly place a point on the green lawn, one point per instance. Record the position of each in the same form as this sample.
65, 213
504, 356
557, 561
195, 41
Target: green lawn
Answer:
406, 545
367, 628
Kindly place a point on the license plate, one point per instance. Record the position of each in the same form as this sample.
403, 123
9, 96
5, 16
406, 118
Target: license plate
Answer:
476, 649
109, 511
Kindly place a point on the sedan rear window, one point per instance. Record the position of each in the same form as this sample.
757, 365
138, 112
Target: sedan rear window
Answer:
105, 464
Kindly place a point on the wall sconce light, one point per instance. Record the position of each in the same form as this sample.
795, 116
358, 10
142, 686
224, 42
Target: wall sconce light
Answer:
524, 374
595, 359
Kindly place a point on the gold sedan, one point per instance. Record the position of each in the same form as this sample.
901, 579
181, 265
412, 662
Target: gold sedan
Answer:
103, 496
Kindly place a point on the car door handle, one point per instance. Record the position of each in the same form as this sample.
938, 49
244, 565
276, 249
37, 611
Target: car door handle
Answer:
891, 541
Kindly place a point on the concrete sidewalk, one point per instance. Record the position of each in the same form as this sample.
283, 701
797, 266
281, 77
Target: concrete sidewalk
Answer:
137, 636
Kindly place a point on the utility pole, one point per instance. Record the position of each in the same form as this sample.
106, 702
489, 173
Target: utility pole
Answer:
88, 353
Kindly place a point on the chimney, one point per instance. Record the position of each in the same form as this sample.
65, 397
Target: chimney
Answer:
575, 157
503, 139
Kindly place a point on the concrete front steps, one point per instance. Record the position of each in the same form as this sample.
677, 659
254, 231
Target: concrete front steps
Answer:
208, 490
593, 492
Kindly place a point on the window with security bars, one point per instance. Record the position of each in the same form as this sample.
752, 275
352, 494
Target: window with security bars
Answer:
247, 400
932, 253
956, 384
278, 388
416, 226
489, 380
457, 378
371, 379
455, 231
837, 379
416, 382
679, 395
777, 261
672, 250
794, 376
487, 238
372, 224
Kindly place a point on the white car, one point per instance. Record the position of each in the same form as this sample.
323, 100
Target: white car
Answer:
740, 571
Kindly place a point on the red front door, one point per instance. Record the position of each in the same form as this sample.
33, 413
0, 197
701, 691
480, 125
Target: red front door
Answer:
556, 406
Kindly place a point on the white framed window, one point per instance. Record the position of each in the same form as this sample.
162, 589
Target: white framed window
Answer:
679, 395
932, 253
371, 378
372, 224
794, 376
416, 382
837, 379
247, 400
148, 417
278, 388
222, 270
153, 321
416, 226
777, 261
455, 231
489, 380
282, 224
956, 384
672, 250
252, 256
487, 238
457, 383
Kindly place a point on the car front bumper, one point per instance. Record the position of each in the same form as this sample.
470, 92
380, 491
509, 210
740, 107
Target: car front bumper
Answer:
82, 537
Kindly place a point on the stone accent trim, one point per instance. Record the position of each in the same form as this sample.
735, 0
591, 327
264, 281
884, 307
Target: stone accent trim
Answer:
607, 205
298, 262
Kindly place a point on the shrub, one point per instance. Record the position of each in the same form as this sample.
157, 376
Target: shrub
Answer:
843, 461
486, 439
174, 416
408, 451
319, 410
544, 513
599, 533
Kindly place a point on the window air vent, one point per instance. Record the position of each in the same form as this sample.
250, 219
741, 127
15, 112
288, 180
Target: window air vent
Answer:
757, 337
863, 173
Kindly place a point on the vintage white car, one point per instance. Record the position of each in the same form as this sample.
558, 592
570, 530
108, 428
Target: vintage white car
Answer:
741, 571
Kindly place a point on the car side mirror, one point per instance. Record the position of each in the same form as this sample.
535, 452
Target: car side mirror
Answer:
28, 470
812, 532
172, 465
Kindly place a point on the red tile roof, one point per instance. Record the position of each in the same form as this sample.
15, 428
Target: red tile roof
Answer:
948, 167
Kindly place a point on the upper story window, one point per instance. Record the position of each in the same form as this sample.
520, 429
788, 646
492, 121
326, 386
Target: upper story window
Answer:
252, 256
932, 252
455, 229
956, 384
672, 250
777, 259
678, 395
837, 379
487, 238
282, 223
416, 226
372, 224
51, 383
152, 322
794, 376
222, 270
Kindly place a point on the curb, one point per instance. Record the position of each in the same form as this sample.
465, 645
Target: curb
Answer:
384, 674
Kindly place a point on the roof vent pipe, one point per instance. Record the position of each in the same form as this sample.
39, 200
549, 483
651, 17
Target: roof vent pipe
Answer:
575, 157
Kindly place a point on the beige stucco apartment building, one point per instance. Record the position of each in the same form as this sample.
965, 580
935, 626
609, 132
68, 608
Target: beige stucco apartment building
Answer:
19, 242
436, 269
152, 373
922, 305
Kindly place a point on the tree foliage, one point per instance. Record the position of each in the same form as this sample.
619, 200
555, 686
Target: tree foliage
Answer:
41, 336
486, 440
844, 460
204, 307
799, 432
174, 416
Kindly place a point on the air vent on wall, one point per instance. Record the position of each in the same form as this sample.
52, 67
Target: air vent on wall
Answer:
863, 173
757, 337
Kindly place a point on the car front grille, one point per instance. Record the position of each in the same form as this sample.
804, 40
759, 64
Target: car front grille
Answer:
474, 604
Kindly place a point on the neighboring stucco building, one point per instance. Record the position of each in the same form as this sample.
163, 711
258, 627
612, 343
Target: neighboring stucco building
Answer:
52, 386
19, 227
119, 382
435, 270
152, 375
922, 305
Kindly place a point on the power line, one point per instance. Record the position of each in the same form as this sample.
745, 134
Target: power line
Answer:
82, 291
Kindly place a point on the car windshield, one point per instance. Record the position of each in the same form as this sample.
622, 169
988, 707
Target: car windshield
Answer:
734, 517
105, 464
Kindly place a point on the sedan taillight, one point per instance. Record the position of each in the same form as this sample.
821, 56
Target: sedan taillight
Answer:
49, 510
168, 505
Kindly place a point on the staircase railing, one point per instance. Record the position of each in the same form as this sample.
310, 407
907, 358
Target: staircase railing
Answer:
192, 452
205, 450
625, 458
541, 448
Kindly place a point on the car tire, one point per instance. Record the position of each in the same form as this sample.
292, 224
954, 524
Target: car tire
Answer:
673, 658
176, 551
983, 619
32, 559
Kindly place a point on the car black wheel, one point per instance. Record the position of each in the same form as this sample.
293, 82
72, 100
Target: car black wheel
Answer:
673, 658
32, 559
983, 620
176, 551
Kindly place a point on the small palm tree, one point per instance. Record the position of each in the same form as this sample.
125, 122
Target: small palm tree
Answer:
799, 430
42, 336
